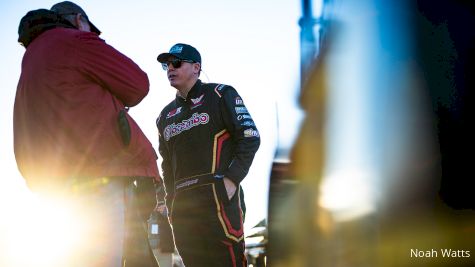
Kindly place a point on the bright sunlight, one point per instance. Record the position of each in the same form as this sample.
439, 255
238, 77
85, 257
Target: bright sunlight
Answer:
42, 233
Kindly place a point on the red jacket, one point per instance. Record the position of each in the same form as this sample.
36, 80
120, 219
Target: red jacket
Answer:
71, 89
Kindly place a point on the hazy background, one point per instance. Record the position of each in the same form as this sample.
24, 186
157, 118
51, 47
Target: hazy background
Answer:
251, 45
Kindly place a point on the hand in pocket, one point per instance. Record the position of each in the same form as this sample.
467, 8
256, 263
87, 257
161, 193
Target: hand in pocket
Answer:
230, 187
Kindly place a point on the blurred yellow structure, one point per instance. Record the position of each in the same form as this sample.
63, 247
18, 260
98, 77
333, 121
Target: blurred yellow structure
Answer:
376, 116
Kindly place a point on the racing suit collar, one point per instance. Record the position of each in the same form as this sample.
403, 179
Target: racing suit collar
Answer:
193, 93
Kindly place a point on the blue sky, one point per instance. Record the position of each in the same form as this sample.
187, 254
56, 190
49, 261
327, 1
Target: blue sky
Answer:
251, 45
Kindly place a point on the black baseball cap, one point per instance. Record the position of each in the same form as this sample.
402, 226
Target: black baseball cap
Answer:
35, 22
181, 51
69, 8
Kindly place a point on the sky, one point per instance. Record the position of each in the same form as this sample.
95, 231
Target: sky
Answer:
251, 45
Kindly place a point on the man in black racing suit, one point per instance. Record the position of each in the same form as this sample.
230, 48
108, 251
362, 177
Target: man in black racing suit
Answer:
207, 140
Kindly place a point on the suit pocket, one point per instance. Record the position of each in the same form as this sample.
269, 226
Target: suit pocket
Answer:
221, 191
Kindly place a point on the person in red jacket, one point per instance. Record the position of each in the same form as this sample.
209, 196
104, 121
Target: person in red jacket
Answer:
72, 134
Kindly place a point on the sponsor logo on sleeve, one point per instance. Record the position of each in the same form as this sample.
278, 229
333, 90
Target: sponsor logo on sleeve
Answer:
239, 101
251, 133
177, 128
248, 123
243, 117
241, 110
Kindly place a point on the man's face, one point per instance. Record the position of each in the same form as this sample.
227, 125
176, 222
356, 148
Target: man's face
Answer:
180, 72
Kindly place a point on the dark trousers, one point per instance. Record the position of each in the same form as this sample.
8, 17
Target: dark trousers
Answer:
140, 204
208, 227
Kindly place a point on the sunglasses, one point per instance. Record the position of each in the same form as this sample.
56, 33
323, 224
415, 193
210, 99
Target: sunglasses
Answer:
176, 63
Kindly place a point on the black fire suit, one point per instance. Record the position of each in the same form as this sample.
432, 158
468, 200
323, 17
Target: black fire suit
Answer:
203, 138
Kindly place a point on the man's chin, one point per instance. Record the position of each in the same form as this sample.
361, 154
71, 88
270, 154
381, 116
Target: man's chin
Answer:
173, 83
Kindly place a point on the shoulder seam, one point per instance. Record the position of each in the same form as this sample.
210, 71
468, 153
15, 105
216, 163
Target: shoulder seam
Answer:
218, 89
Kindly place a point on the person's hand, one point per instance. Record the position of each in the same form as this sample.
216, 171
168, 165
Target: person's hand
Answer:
230, 187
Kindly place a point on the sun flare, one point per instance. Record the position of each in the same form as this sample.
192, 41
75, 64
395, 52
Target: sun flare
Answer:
42, 233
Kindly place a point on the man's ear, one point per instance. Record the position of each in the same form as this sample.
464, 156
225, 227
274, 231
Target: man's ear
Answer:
197, 67
77, 20
81, 23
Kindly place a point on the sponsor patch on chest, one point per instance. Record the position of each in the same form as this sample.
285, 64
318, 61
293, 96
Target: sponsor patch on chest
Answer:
174, 112
197, 101
177, 128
